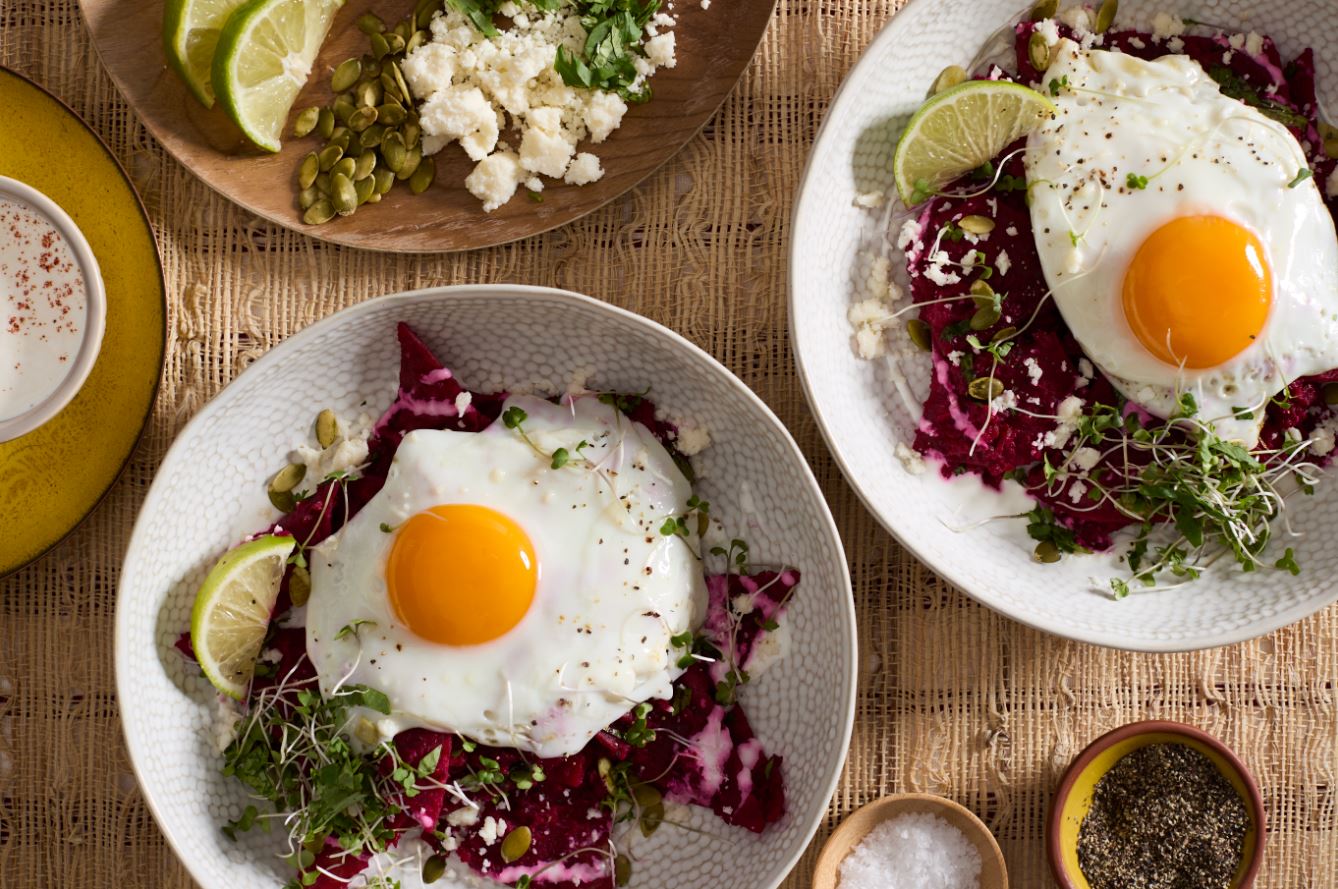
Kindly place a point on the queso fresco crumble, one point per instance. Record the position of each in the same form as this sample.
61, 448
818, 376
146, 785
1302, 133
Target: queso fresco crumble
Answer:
520, 99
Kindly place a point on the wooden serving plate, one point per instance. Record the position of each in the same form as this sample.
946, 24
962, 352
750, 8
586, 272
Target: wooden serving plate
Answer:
714, 46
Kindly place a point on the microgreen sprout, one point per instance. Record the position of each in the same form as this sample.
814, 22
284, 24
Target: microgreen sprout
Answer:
736, 557
696, 520
352, 628
1135, 182
1057, 85
1302, 176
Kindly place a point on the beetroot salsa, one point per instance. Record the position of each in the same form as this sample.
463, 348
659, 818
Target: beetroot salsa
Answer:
521, 821
1013, 397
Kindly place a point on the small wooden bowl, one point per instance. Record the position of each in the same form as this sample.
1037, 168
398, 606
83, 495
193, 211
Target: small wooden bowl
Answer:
827, 874
1074, 797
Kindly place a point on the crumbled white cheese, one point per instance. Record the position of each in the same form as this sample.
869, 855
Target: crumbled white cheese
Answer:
1034, 370
546, 150
1085, 373
909, 235
1077, 18
495, 178
1003, 263
462, 402
223, 727
492, 830
1236, 41
346, 453
464, 116
1011, 231
936, 274
955, 357
1084, 459
1292, 435
870, 200
691, 439
1227, 57
769, 649
1049, 29
1175, 44
869, 318
604, 114
1254, 44
465, 816
585, 168
910, 459
660, 50
1165, 25
1077, 489
1323, 439
1070, 411
706, 4
1137, 43
1007, 400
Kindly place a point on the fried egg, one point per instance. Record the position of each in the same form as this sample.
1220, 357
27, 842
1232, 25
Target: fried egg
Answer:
487, 593
1181, 238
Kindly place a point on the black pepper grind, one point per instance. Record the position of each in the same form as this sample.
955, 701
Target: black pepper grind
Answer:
1163, 818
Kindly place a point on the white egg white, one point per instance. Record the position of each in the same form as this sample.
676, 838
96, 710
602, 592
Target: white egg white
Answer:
1205, 154
611, 593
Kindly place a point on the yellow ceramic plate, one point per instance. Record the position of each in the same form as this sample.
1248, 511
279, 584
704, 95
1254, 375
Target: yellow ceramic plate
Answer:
51, 478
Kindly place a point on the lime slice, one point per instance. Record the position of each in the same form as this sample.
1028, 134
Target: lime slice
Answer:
232, 611
264, 56
190, 34
959, 130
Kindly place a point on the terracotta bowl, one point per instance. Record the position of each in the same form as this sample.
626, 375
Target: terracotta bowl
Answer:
827, 874
1074, 797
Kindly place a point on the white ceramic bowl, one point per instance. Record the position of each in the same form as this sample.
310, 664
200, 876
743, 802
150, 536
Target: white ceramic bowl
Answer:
863, 418
211, 490
77, 370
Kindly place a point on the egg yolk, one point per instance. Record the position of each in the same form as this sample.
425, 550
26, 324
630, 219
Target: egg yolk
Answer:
461, 574
1198, 292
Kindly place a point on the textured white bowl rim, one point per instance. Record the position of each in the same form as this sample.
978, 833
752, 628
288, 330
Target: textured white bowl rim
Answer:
95, 321
845, 96
816, 808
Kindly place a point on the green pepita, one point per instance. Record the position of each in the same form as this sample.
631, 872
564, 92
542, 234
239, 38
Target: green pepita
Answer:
343, 137
299, 585
343, 196
411, 132
393, 151
347, 74
346, 167
1105, 16
306, 173
412, 158
327, 428
424, 10
288, 478
365, 165
423, 176
283, 501
416, 39
368, 94
402, 29
434, 868
920, 334
948, 78
1329, 133
380, 48
361, 119
308, 196
985, 318
365, 189
306, 121
516, 844
391, 114
325, 124
1045, 9
394, 42
373, 198
976, 225
985, 388
330, 156
369, 24
343, 107
399, 81
371, 67
319, 213
366, 732
1046, 552
390, 90
622, 870
384, 178
372, 136
322, 184
1038, 51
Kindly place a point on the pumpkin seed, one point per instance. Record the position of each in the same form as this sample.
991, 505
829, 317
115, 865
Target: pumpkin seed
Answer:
343, 107
362, 119
390, 90
516, 844
984, 318
379, 46
283, 501
347, 74
371, 67
345, 167
400, 85
650, 805
1330, 391
373, 198
391, 114
343, 196
323, 184
343, 137
366, 732
1105, 16
372, 136
622, 870
368, 94
412, 159
976, 225
919, 334
319, 213
327, 428
384, 178
394, 42
299, 585
402, 29
330, 156
370, 23
325, 123
308, 196
1329, 133
1046, 552
1045, 9
288, 478
985, 388
423, 176
365, 188
393, 151
424, 10
1038, 51
416, 39
364, 167
306, 173
411, 132
306, 121
434, 867
948, 78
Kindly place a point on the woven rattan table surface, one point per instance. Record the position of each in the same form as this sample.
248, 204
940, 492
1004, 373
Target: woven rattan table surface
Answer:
953, 700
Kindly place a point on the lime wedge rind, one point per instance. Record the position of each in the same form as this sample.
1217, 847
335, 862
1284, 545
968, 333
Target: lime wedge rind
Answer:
191, 30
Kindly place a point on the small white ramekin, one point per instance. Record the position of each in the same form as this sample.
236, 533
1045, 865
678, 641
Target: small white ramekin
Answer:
95, 321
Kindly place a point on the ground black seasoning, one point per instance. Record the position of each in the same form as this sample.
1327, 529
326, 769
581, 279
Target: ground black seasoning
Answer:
1163, 818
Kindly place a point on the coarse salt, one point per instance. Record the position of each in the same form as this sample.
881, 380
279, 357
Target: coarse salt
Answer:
916, 850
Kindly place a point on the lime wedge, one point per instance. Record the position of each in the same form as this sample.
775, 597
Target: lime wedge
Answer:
959, 130
190, 34
232, 611
264, 56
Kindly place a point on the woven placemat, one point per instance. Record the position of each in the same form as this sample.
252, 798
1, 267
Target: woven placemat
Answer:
954, 699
